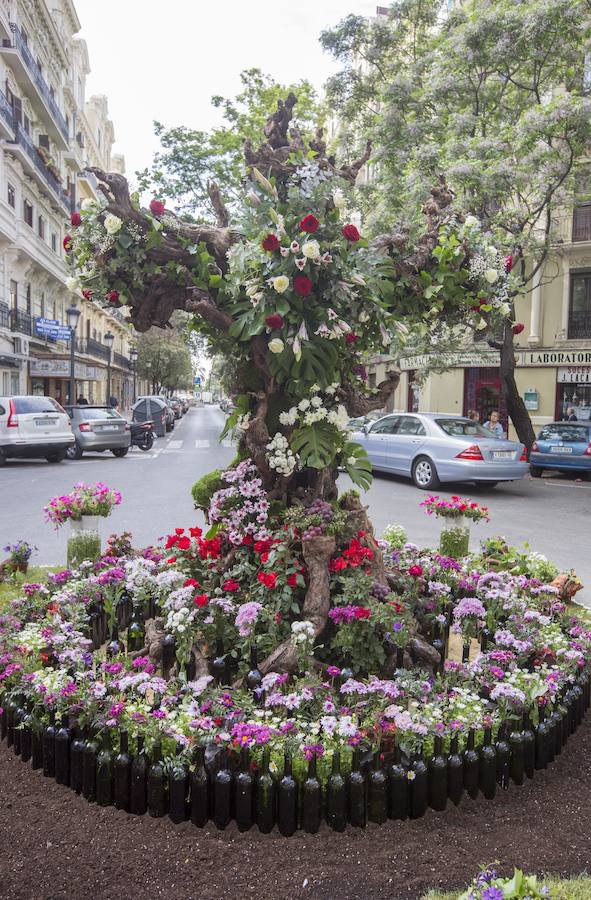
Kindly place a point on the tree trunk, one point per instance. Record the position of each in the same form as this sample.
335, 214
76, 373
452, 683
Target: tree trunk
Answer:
515, 405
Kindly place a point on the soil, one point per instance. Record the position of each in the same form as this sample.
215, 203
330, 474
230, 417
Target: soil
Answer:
55, 844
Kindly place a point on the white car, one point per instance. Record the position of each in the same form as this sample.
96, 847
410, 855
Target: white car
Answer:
34, 428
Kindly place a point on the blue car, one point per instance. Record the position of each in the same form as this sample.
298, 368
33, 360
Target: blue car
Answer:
432, 448
562, 445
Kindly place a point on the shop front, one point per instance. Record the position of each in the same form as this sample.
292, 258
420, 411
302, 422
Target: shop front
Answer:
573, 391
50, 377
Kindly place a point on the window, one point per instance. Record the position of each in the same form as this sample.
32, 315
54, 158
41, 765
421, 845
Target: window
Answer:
579, 313
28, 212
26, 123
14, 294
11, 195
410, 425
462, 428
574, 434
28, 299
41, 227
385, 426
54, 242
372, 379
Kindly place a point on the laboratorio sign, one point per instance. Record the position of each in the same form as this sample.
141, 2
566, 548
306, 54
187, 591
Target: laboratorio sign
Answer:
523, 357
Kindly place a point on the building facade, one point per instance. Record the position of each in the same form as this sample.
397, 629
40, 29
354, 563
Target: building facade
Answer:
49, 134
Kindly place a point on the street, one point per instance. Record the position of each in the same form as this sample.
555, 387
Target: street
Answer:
553, 515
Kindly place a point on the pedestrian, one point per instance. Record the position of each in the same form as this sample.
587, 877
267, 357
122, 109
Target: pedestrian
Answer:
82, 401
474, 415
113, 402
571, 416
494, 424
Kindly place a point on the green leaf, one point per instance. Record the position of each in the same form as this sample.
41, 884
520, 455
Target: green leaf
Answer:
357, 465
316, 444
124, 240
242, 406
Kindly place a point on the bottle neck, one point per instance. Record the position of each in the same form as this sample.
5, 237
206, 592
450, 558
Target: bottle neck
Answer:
265, 761
200, 756
244, 759
470, 745
254, 660
453, 748
223, 759
438, 746
140, 743
312, 767
52, 717
336, 763
487, 736
156, 752
65, 720
287, 764
123, 741
219, 647
355, 763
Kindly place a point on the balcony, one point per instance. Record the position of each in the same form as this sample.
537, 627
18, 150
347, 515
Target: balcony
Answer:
28, 75
7, 126
93, 348
122, 361
91, 182
582, 224
20, 321
23, 147
579, 325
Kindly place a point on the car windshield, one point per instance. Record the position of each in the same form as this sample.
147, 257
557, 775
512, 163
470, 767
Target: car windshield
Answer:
463, 428
88, 412
571, 434
24, 405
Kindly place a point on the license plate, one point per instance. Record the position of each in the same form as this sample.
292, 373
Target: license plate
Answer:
561, 449
108, 428
43, 423
502, 454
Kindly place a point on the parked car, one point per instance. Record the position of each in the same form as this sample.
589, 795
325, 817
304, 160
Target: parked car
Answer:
96, 429
565, 446
176, 407
432, 448
153, 409
33, 428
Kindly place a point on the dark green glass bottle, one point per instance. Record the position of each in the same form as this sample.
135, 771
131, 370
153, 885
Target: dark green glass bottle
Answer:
377, 791
63, 737
419, 786
36, 744
200, 789
542, 738
311, 799
27, 734
529, 747
138, 787
357, 793
122, 773
455, 772
556, 719
219, 666
11, 707
398, 799
471, 767
517, 744
49, 747
157, 784
287, 799
437, 772
178, 788
266, 795
254, 676
104, 772
222, 791
3, 700
438, 643
551, 735
244, 791
76, 756
488, 766
168, 655
466, 653
336, 796
114, 646
19, 715
136, 633
503, 757
89, 755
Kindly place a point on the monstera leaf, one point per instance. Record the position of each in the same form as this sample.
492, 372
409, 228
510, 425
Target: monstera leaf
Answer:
357, 465
242, 407
315, 444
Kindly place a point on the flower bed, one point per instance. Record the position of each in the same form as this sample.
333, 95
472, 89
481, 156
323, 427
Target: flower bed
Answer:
152, 726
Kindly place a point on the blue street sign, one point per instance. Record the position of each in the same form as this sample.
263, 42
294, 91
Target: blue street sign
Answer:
51, 328
197, 380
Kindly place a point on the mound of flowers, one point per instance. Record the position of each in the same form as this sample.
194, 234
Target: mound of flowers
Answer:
147, 662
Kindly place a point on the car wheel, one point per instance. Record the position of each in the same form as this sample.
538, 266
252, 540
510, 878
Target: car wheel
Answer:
424, 474
74, 451
535, 471
56, 457
120, 451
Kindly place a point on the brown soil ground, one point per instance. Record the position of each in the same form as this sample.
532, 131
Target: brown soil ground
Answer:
53, 844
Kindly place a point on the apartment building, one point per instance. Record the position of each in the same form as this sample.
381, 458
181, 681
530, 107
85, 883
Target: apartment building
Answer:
49, 134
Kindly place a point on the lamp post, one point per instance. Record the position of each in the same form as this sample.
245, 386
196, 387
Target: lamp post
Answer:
133, 358
148, 366
109, 338
72, 316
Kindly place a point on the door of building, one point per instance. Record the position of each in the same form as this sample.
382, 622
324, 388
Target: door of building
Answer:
483, 391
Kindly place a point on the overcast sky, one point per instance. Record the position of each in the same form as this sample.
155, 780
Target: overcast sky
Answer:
164, 59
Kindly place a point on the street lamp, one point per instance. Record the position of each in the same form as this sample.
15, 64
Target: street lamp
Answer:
133, 358
109, 339
72, 316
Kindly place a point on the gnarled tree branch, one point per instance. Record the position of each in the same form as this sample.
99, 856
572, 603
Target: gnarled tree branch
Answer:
358, 404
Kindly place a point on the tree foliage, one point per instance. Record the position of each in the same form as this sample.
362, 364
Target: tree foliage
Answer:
164, 360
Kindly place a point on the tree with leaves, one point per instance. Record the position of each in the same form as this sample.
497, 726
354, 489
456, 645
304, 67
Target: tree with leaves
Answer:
492, 93
295, 294
164, 360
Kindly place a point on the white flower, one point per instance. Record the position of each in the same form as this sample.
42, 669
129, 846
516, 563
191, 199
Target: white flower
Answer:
358, 279
363, 316
280, 284
252, 289
72, 284
504, 309
311, 249
300, 262
294, 246
303, 404
88, 203
339, 199
491, 275
316, 401
482, 324
112, 224
351, 461
471, 221
276, 345
284, 251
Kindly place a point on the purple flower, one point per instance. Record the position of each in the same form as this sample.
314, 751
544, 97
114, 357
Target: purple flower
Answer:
492, 893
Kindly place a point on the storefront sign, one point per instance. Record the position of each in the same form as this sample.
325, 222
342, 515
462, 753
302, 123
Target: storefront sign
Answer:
574, 375
466, 359
51, 328
554, 358
60, 368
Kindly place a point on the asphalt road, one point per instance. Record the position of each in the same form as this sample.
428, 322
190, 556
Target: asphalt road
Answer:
553, 514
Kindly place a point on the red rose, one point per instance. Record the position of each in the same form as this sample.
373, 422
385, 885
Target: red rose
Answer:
278, 618
191, 582
113, 296
184, 543
518, 328
195, 532
302, 285
67, 242
351, 233
292, 580
247, 540
269, 579
76, 219
274, 321
86, 294
309, 223
231, 585
415, 571
200, 600
351, 337
508, 263
157, 207
338, 564
271, 243
171, 560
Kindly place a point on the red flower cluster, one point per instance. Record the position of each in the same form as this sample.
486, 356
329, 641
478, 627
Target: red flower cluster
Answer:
191, 582
200, 600
271, 243
67, 242
269, 579
87, 294
362, 612
157, 207
309, 223
351, 233
518, 328
415, 571
76, 219
113, 296
351, 337
302, 285
274, 321
508, 263
231, 585
354, 556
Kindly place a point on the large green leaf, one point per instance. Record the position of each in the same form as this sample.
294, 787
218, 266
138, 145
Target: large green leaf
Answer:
242, 405
357, 465
316, 444
316, 364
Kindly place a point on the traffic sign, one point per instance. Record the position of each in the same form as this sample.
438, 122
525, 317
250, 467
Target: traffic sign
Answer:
197, 380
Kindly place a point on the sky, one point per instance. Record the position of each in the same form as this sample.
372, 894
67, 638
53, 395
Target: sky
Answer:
163, 61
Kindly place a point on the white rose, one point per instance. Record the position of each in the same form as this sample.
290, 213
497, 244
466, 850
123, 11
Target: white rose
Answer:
504, 309
491, 275
280, 284
112, 224
339, 199
471, 221
311, 249
316, 401
276, 345
72, 284
88, 203
363, 316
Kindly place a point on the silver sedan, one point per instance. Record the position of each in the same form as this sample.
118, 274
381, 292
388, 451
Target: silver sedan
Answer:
434, 447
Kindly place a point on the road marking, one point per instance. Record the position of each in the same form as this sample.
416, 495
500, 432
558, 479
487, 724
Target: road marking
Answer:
201, 445
580, 486
175, 445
